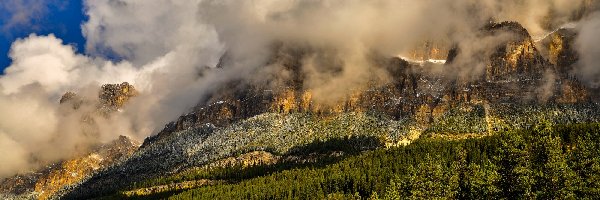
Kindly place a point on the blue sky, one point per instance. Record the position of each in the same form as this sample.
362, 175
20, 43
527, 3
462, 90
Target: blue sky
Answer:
19, 18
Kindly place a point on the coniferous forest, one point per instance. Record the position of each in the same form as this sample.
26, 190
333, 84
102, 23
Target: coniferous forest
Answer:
542, 162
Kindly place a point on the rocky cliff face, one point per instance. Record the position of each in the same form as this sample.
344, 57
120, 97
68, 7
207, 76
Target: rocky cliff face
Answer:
47, 182
430, 50
78, 169
516, 71
558, 48
111, 97
114, 96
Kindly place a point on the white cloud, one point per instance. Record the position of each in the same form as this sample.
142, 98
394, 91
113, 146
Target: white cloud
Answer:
588, 46
140, 31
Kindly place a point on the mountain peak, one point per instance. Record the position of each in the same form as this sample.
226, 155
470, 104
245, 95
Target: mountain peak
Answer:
116, 95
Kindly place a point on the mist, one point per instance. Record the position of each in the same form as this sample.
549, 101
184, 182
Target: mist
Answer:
161, 47
588, 47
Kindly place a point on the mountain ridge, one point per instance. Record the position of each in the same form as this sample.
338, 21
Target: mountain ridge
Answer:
416, 98
419, 100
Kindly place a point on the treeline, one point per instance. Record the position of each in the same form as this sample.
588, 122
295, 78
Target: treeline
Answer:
544, 162
458, 121
315, 154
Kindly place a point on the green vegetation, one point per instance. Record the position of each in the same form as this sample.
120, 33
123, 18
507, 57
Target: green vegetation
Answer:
458, 120
544, 162
278, 134
353, 145
513, 117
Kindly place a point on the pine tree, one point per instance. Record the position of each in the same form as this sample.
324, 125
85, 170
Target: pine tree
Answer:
556, 178
513, 160
481, 181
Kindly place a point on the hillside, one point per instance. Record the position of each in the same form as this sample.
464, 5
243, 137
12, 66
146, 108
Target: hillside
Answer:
45, 183
544, 162
418, 102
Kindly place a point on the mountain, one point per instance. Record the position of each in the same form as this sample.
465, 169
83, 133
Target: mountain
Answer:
111, 97
524, 82
46, 182
280, 123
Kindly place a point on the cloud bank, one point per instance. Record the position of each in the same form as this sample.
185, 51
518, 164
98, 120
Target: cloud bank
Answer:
168, 49
588, 46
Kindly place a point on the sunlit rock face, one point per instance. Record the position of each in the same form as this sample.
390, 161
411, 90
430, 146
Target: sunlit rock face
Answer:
111, 97
515, 71
72, 171
515, 59
429, 51
114, 96
572, 91
47, 182
559, 48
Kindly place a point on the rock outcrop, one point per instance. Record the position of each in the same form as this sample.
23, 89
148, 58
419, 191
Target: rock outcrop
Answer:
114, 96
47, 182
111, 97
44, 183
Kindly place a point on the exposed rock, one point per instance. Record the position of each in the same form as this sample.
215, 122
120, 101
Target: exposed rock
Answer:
558, 48
430, 50
114, 96
21, 184
46, 182
111, 97
517, 59
515, 71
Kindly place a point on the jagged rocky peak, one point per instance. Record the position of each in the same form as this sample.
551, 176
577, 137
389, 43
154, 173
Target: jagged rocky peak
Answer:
116, 95
67, 97
123, 141
508, 26
110, 97
515, 59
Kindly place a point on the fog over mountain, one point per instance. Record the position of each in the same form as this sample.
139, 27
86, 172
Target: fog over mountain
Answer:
588, 67
169, 50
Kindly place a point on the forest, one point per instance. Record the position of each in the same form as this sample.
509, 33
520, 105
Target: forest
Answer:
543, 162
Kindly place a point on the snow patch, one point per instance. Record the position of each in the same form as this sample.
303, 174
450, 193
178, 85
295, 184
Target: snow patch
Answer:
422, 62
569, 25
